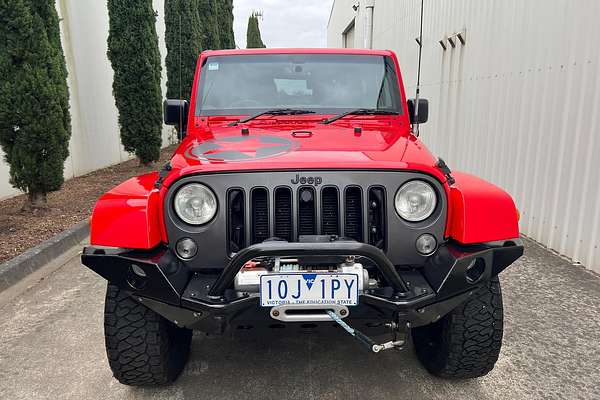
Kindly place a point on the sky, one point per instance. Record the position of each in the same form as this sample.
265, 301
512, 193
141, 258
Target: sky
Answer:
285, 23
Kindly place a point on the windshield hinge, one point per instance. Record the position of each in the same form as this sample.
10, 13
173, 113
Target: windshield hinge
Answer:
442, 166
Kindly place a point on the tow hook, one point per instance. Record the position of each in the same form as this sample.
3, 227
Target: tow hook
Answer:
364, 339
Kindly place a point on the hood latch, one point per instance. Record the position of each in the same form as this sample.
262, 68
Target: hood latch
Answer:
441, 164
162, 174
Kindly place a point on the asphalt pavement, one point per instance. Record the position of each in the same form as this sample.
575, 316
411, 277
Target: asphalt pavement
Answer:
52, 347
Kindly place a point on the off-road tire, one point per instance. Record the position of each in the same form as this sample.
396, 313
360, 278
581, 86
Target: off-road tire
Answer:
143, 348
466, 342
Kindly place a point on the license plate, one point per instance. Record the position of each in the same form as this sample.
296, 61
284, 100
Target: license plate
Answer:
308, 288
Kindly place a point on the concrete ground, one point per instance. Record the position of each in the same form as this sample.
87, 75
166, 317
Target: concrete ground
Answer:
52, 347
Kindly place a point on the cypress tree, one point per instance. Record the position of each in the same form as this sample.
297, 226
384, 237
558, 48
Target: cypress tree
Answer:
253, 39
226, 35
135, 59
184, 43
47, 12
209, 22
34, 105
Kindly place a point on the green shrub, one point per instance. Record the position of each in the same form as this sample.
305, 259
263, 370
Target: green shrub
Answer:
34, 100
47, 12
226, 35
135, 59
184, 43
253, 39
209, 22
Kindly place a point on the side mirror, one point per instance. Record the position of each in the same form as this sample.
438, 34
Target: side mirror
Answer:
421, 118
175, 112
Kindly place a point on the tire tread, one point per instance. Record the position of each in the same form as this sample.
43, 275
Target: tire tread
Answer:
467, 341
143, 348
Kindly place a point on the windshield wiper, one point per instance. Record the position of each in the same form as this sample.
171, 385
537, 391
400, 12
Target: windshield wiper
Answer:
360, 111
275, 111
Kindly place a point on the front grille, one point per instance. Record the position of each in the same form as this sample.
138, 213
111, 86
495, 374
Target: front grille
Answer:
287, 213
330, 211
255, 206
377, 217
235, 216
260, 215
283, 213
307, 224
353, 218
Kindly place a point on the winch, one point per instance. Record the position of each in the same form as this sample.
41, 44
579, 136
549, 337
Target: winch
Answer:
248, 279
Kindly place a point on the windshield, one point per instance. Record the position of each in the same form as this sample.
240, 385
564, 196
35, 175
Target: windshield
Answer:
323, 83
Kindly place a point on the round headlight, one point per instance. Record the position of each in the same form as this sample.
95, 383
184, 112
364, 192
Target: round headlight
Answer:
415, 201
195, 204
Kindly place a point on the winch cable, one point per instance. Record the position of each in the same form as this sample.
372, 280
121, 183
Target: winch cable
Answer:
364, 339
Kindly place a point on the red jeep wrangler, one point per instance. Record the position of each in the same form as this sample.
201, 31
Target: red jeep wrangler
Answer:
300, 194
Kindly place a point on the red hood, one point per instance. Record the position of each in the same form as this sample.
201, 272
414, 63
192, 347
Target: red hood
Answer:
281, 145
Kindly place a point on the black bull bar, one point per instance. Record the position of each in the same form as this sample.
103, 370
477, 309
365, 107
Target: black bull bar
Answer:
206, 300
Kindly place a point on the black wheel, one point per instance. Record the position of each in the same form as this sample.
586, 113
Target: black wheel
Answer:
143, 348
466, 342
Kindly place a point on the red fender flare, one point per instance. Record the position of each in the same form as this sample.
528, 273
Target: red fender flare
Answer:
480, 212
127, 216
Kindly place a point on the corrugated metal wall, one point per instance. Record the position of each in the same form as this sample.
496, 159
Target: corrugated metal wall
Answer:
518, 104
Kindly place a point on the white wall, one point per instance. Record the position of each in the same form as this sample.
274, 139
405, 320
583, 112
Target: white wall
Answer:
341, 17
95, 141
6, 190
519, 104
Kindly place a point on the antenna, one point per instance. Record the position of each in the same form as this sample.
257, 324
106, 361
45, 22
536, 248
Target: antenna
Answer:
420, 42
180, 133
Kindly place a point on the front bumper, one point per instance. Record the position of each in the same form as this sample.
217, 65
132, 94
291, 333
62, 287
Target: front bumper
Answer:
206, 300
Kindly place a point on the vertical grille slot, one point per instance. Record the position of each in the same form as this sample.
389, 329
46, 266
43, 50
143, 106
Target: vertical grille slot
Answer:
353, 225
330, 218
235, 220
260, 215
283, 213
377, 217
307, 221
